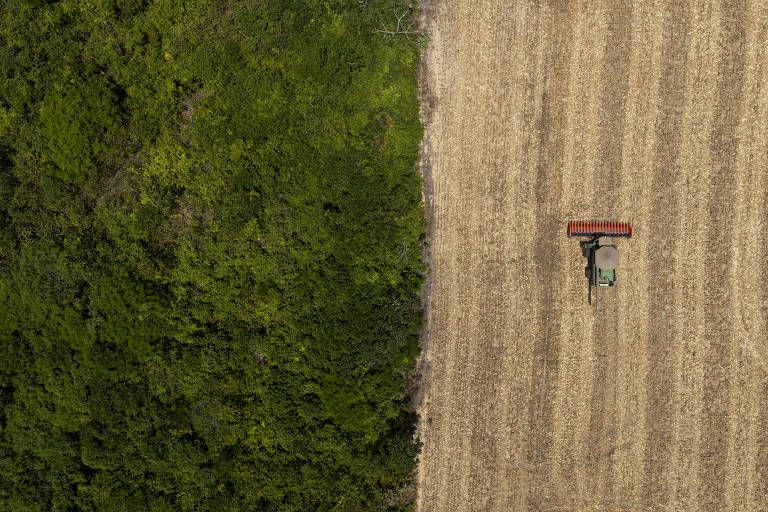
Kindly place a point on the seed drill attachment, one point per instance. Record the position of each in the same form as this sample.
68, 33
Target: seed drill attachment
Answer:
602, 256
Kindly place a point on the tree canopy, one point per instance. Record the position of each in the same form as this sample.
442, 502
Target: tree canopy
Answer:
210, 233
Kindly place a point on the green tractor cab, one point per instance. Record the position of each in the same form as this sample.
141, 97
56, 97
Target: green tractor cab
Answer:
600, 251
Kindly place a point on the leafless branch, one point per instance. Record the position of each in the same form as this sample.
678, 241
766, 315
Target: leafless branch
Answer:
399, 23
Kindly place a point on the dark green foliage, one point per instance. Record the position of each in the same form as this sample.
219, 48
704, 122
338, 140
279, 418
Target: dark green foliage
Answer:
75, 124
210, 231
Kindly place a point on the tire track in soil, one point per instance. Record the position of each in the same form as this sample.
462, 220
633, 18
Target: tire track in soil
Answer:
613, 95
665, 223
457, 293
547, 254
760, 489
761, 467
458, 377
720, 226
576, 381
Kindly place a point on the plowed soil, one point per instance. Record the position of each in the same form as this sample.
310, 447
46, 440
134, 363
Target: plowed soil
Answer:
539, 112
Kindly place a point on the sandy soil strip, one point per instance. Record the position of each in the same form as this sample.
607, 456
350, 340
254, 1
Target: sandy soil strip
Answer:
524, 49
754, 472
441, 358
664, 227
744, 389
572, 387
633, 339
493, 273
578, 386
701, 78
614, 85
718, 353
548, 247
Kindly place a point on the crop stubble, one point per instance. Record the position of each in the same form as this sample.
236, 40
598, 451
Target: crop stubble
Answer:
654, 112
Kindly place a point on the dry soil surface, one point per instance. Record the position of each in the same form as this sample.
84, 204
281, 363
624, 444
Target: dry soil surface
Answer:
653, 112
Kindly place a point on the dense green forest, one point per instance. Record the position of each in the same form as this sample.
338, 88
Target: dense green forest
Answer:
210, 232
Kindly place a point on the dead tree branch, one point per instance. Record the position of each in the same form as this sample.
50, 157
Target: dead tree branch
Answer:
399, 23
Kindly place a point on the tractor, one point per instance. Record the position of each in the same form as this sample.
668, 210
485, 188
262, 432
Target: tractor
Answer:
602, 255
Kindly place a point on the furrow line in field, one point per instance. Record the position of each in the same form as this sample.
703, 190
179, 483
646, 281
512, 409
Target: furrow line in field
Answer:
500, 281
576, 203
614, 85
547, 254
578, 375
521, 104
449, 263
525, 160
465, 371
701, 77
744, 384
718, 354
755, 312
635, 206
664, 224
486, 437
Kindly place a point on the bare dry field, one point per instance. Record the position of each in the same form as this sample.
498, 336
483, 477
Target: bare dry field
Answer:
539, 112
